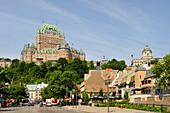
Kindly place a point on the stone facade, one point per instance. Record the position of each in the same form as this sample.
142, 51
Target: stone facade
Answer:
146, 57
5, 63
152, 100
125, 81
50, 45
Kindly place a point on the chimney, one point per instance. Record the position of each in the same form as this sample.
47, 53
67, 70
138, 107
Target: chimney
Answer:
131, 57
131, 60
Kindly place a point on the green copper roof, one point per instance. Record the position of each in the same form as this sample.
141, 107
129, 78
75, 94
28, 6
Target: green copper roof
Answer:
64, 45
49, 50
32, 45
59, 42
81, 51
146, 49
140, 68
49, 28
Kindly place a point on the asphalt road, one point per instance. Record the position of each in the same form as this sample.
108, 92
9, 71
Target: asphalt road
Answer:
37, 109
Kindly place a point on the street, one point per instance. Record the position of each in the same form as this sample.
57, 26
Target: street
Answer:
36, 109
68, 109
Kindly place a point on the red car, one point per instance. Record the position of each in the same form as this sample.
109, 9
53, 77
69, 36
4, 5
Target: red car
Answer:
7, 104
30, 104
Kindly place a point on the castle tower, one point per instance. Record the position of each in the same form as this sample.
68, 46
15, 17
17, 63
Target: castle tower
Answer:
82, 55
64, 50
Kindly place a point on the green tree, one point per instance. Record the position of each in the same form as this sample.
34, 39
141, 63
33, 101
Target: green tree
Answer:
126, 95
126, 98
76, 65
114, 64
14, 64
16, 92
7, 59
86, 98
162, 73
62, 63
153, 62
101, 92
91, 65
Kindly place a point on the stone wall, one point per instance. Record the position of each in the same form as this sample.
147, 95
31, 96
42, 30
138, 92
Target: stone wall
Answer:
151, 100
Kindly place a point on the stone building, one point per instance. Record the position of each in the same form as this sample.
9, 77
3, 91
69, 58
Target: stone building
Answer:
146, 57
94, 81
4, 63
124, 81
50, 45
34, 91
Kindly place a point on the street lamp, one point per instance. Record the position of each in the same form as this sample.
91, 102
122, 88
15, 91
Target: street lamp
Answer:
73, 97
107, 82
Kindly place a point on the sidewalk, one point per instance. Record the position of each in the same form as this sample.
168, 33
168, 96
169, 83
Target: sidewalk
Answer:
89, 109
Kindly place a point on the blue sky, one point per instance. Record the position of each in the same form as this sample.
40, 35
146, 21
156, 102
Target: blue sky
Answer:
114, 28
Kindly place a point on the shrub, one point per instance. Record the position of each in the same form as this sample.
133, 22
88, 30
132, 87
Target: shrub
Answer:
134, 106
102, 105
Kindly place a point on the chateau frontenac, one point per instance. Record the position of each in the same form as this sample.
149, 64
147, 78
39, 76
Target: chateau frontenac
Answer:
50, 45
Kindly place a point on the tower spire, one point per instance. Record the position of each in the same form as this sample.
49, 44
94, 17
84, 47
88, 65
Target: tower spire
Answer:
63, 35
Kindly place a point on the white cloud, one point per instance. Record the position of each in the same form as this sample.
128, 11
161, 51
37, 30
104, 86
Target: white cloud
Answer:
17, 18
131, 15
52, 8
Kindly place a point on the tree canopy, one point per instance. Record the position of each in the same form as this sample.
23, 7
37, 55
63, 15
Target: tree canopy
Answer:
162, 73
114, 64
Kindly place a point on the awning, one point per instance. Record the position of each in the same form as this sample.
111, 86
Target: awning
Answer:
139, 89
136, 89
38, 100
148, 77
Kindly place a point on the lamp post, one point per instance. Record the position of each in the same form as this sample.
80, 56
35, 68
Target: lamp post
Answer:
107, 82
66, 95
73, 97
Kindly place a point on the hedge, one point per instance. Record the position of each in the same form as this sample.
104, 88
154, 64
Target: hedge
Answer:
134, 106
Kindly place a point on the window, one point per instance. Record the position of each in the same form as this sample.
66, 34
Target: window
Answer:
140, 76
94, 89
140, 85
149, 81
142, 82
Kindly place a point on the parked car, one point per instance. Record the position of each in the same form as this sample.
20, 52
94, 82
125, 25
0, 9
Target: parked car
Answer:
44, 103
8, 103
30, 104
48, 104
24, 104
